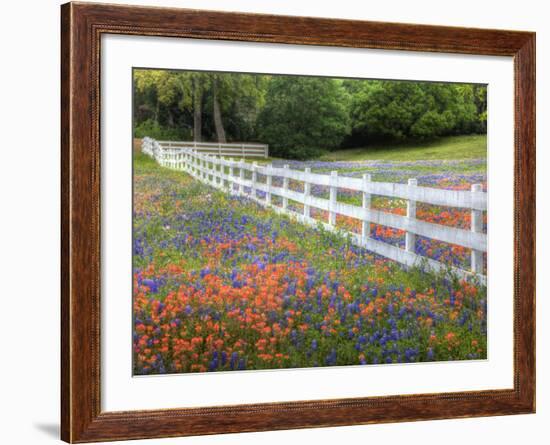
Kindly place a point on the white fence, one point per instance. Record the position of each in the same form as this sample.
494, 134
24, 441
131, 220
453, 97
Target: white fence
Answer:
240, 150
229, 175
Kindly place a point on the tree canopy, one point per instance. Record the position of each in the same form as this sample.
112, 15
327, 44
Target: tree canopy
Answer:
303, 116
298, 116
400, 110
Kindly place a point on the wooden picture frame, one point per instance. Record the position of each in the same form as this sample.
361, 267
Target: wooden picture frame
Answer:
82, 26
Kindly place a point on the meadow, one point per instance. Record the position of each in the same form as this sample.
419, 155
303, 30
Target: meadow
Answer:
471, 146
223, 284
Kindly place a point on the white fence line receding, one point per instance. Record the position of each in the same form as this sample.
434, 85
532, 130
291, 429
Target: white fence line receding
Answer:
241, 150
222, 173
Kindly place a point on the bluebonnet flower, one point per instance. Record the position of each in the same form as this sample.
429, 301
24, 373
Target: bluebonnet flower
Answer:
151, 284
430, 354
234, 360
331, 358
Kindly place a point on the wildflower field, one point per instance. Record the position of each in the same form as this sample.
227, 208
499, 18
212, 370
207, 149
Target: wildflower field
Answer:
221, 283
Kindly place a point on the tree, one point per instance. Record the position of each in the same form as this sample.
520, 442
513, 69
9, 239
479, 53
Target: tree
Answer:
147, 100
218, 123
234, 100
303, 116
197, 81
480, 100
168, 94
401, 110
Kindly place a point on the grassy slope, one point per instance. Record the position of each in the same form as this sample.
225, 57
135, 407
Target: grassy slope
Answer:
452, 147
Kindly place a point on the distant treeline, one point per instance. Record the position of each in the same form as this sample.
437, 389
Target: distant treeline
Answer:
301, 117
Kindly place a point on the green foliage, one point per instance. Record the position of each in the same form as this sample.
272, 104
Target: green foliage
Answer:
403, 110
152, 129
241, 97
304, 116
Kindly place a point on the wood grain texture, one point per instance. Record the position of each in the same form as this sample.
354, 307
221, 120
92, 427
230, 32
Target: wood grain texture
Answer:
82, 27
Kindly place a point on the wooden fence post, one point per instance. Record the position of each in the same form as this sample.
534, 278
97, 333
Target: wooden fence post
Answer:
285, 188
410, 238
307, 193
365, 223
223, 176
214, 170
268, 182
333, 194
198, 164
241, 177
477, 226
221, 172
254, 179
231, 174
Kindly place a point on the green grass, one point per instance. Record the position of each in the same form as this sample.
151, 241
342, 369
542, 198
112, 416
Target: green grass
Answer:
452, 147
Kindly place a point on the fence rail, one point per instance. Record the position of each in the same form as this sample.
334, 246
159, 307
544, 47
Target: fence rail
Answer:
243, 150
222, 174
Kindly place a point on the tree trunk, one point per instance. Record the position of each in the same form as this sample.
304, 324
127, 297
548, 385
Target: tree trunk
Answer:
197, 111
220, 132
157, 112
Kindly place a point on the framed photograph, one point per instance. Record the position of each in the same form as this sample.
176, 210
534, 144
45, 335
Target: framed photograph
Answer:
275, 222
